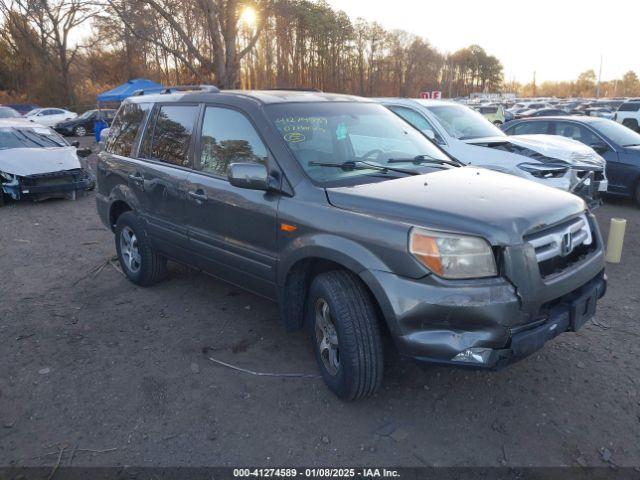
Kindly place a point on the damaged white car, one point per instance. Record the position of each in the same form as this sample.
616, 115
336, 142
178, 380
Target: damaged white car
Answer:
36, 163
468, 137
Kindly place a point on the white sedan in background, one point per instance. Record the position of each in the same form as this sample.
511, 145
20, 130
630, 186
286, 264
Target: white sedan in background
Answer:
48, 117
470, 138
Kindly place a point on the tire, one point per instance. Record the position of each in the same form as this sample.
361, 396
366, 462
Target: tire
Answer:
350, 355
79, 131
140, 263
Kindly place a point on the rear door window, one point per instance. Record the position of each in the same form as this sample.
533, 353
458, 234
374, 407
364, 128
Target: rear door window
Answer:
577, 132
228, 137
125, 128
530, 128
168, 140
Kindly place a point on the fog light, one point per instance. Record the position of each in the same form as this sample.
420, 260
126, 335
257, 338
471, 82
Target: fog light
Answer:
473, 355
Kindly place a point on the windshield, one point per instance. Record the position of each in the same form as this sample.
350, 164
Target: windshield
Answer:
87, 114
463, 123
620, 134
36, 137
338, 133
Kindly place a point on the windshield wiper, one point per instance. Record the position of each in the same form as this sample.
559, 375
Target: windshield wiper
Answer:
426, 159
362, 165
632, 145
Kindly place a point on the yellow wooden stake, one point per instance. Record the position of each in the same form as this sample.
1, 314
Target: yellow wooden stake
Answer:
616, 239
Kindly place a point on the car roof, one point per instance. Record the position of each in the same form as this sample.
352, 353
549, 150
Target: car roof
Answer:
420, 101
260, 96
567, 118
19, 122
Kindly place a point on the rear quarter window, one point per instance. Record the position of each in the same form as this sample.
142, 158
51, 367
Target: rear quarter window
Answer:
125, 128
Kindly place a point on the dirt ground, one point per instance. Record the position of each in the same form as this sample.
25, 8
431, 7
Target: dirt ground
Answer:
120, 375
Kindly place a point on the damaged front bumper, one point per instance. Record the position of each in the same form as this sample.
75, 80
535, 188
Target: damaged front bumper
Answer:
488, 323
62, 184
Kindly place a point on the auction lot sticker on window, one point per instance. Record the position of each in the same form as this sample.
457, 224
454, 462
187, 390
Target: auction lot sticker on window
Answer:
298, 129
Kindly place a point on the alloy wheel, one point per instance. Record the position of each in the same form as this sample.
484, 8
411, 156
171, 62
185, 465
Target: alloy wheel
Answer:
129, 250
327, 337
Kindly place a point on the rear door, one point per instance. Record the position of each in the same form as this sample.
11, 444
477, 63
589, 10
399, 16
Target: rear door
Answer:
167, 155
232, 230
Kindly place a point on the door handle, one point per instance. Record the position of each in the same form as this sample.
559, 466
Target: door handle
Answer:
137, 179
199, 196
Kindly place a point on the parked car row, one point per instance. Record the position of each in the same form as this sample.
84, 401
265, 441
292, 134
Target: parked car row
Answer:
359, 225
63, 121
624, 111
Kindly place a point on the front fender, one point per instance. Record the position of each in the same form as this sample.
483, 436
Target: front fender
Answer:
331, 247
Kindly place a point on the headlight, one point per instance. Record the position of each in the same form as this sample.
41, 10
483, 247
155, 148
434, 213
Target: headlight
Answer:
452, 256
542, 170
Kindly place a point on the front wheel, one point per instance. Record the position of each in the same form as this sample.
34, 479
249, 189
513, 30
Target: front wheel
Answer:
79, 131
344, 329
140, 263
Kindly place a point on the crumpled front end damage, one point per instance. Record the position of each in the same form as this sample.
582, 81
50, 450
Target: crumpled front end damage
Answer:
560, 163
63, 184
42, 173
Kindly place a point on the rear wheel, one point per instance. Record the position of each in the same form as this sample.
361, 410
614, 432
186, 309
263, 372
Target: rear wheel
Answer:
344, 329
140, 263
79, 131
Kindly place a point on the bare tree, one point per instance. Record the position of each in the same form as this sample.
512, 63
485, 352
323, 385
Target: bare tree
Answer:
47, 24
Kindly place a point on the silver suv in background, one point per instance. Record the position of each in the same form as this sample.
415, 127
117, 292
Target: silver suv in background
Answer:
470, 138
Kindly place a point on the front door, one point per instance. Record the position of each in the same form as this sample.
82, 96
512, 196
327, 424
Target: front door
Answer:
232, 230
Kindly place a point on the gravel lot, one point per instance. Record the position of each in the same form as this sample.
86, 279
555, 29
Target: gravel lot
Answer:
121, 374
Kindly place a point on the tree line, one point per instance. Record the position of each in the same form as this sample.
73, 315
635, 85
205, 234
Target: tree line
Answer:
63, 52
291, 43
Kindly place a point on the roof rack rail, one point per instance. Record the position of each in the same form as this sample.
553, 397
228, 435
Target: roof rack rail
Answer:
294, 89
137, 93
187, 88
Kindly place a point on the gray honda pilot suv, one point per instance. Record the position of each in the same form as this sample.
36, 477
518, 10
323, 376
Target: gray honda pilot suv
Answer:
355, 223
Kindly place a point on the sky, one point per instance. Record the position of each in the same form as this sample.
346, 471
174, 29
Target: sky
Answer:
557, 39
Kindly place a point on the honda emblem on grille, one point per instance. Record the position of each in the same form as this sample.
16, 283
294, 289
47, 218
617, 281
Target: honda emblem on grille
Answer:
567, 244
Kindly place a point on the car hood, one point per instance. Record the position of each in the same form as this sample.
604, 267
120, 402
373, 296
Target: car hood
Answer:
33, 161
499, 207
544, 148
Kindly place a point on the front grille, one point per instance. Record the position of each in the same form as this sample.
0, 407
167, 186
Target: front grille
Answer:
598, 175
559, 247
54, 178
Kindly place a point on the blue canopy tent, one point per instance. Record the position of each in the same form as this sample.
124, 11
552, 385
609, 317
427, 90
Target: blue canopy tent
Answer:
125, 90
121, 92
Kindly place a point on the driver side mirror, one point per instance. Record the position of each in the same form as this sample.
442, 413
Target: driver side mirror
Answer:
600, 147
75, 143
252, 176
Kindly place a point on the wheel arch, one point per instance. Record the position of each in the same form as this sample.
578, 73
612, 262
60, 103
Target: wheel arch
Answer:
297, 273
121, 200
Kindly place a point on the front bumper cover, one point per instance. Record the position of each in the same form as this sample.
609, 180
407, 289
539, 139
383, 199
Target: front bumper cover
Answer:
569, 315
51, 185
